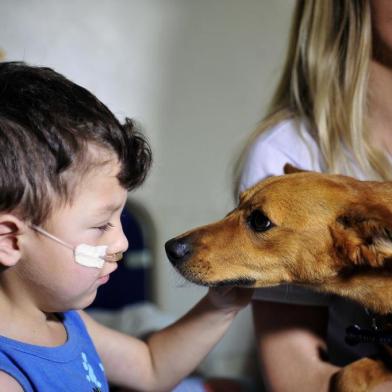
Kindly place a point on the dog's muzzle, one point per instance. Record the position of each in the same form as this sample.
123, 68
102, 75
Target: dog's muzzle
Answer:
178, 250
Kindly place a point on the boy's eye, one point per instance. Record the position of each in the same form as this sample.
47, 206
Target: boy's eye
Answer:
105, 227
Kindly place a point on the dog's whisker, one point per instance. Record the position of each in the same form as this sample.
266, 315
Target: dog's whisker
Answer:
183, 284
180, 281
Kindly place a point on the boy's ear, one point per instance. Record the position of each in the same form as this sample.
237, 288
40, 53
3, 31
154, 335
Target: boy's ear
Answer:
290, 169
10, 229
362, 236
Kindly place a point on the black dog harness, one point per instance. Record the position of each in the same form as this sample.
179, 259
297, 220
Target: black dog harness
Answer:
379, 333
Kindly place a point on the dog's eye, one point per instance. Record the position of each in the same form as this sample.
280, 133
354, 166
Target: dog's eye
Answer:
258, 221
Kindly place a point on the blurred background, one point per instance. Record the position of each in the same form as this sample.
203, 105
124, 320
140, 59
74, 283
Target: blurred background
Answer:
197, 76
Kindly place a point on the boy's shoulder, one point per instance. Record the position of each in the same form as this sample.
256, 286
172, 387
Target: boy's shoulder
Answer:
77, 358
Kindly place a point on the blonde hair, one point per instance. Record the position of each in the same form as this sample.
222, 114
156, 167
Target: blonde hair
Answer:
325, 83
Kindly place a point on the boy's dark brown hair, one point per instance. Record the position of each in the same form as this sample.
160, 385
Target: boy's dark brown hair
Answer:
47, 124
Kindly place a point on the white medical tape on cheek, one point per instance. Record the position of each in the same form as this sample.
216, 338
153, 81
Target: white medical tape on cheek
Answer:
90, 256
86, 255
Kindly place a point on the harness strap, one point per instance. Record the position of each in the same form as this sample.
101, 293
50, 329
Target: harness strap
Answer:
355, 334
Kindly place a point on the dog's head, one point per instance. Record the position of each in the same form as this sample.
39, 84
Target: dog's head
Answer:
307, 228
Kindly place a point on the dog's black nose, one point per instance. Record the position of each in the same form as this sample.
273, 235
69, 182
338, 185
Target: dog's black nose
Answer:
178, 250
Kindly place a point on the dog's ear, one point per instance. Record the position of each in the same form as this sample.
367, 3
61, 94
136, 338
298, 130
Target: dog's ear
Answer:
362, 236
290, 169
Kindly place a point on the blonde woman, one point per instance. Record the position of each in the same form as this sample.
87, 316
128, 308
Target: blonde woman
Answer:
332, 112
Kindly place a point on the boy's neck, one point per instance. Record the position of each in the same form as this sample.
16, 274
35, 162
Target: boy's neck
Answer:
23, 321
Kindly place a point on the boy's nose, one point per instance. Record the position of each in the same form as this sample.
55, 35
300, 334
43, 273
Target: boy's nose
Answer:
178, 250
124, 243
121, 243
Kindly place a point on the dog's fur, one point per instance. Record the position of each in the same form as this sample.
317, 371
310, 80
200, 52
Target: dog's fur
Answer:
328, 232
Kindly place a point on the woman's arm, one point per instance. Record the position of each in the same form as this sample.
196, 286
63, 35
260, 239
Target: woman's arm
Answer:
292, 348
172, 353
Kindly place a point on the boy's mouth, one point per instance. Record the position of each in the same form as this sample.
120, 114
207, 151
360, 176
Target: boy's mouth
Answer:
114, 266
104, 279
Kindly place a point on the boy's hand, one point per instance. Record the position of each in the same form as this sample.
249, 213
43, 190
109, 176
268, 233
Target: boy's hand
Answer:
230, 299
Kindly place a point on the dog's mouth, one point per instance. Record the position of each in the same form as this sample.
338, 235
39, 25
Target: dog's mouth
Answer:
240, 282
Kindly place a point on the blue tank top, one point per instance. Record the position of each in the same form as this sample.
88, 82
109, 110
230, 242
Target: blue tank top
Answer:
74, 366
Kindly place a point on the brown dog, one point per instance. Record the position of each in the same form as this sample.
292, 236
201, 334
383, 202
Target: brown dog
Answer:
328, 232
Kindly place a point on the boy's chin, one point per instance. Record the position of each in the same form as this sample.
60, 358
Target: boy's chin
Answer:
90, 300
84, 302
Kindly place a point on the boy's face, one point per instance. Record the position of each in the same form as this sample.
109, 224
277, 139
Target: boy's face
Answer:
47, 270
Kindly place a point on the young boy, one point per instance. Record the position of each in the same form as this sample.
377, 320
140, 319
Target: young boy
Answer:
66, 164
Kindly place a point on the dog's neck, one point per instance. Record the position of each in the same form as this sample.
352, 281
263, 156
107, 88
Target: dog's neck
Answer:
371, 291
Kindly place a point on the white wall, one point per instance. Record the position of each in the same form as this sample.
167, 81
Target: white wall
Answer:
197, 74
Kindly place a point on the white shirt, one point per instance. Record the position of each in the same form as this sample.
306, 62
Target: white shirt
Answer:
290, 142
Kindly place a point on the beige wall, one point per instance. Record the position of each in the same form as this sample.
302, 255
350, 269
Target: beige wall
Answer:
197, 74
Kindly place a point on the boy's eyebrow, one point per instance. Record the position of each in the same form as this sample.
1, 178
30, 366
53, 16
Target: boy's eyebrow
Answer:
109, 208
